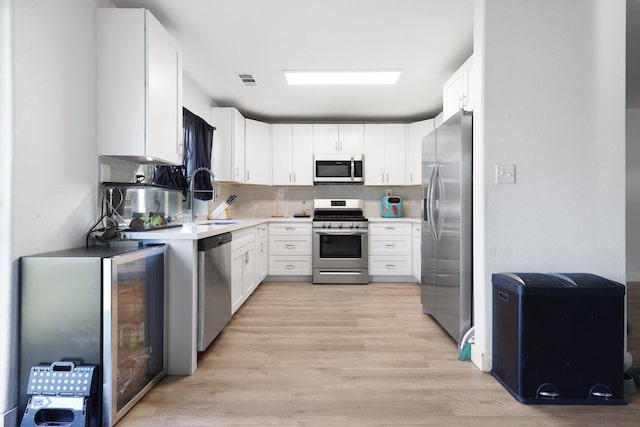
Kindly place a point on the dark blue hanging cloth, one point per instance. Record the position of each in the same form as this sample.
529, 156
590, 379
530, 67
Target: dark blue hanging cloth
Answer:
198, 142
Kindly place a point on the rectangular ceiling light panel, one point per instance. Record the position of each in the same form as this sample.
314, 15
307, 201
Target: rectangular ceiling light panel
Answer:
342, 77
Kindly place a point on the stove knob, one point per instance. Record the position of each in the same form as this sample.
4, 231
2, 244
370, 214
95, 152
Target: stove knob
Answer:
340, 225
356, 225
329, 225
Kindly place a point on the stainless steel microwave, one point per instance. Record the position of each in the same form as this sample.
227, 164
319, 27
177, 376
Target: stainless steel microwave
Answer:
338, 169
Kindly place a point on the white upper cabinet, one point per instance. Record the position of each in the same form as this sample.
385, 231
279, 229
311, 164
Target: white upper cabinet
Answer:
228, 163
139, 86
459, 91
345, 138
416, 131
292, 154
257, 152
384, 154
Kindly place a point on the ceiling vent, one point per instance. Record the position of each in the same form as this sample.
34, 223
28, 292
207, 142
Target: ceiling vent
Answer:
247, 79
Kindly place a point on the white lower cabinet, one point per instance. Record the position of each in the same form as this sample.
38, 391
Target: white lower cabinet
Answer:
416, 240
243, 266
390, 249
262, 252
290, 248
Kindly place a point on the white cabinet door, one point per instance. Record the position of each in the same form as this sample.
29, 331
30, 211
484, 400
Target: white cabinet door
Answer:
237, 280
351, 138
165, 94
228, 144
292, 154
282, 145
385, 154
416, 131
452, 92
249, 277
325, 138
345, 138
262, 252
257, 153
394, 143
302, 158
374, 152
139, 88
459, 91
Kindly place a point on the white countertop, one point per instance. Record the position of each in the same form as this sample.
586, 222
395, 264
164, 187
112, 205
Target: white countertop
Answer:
205, 229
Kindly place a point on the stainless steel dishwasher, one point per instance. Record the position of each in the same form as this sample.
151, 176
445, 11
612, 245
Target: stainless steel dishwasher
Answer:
214, 287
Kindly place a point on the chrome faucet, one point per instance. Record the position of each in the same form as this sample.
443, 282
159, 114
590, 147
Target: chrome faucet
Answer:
192, 190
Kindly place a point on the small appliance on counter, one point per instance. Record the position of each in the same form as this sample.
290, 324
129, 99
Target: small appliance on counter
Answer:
391, 206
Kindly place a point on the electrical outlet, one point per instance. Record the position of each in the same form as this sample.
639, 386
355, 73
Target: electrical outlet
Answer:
281, 193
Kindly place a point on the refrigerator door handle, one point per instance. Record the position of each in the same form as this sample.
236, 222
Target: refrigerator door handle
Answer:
439, 225
430, 209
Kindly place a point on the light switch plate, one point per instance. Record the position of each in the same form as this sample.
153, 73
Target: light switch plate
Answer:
505, 174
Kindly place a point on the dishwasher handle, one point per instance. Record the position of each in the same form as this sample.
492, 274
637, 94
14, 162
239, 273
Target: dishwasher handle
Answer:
212, 242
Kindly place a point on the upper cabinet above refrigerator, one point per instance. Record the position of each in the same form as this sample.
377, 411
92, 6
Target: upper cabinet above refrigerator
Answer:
139, 88
459, 92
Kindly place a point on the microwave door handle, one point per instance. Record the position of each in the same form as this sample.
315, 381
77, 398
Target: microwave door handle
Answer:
353, 169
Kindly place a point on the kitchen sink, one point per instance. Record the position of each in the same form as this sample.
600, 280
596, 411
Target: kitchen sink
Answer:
220, 222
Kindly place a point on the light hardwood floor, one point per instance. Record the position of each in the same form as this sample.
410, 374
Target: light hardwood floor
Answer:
344, 355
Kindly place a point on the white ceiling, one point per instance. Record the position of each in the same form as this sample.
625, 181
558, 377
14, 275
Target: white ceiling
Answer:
427, 39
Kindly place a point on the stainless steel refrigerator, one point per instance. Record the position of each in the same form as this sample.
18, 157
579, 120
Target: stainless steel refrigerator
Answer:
447, 269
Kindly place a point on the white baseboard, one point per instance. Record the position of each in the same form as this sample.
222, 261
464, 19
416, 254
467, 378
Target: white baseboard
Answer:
481, 360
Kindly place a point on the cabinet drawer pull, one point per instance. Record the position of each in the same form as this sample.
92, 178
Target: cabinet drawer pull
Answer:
391, 266
290, 267
290, 228
290, 246
389, 228
390, 246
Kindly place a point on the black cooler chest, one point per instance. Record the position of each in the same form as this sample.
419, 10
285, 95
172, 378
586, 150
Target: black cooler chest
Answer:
559, 338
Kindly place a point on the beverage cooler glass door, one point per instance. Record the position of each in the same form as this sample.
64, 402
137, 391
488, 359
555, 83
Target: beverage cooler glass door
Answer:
133, 328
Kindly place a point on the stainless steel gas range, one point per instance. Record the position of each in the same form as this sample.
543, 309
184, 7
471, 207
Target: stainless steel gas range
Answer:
340, 242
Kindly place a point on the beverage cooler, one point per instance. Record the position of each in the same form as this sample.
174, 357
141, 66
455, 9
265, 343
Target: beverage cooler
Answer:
103, 306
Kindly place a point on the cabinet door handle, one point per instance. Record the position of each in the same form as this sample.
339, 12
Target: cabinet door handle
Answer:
247, 175
289, 176
411, 176
387, 176
382, 176
294, 177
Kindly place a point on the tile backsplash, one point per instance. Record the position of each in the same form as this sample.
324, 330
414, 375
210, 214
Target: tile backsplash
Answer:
260, 201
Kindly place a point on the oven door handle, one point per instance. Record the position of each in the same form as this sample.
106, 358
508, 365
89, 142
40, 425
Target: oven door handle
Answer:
340, 232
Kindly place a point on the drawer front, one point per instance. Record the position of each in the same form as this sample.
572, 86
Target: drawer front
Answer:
390, 266
243, 237
282, 245
289, 229
390, 229
262, 231
289, 265
398, 245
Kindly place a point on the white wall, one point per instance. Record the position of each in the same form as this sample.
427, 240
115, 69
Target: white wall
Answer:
633, 194
554, 105
194, 99
7, 291
54, 175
